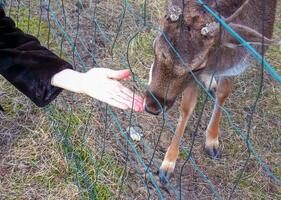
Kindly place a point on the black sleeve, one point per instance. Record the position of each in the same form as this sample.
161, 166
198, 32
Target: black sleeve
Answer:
28, 65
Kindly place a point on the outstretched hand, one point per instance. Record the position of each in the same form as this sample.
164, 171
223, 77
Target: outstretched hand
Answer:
102, 84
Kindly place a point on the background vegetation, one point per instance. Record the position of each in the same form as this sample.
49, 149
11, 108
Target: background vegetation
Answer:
73, 149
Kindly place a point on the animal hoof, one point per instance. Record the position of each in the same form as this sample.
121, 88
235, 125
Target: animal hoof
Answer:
213, 152
164, 176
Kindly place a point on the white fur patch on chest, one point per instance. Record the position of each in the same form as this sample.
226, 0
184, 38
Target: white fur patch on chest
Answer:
236, 69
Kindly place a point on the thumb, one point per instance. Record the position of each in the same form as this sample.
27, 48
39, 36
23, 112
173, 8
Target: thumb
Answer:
118, 74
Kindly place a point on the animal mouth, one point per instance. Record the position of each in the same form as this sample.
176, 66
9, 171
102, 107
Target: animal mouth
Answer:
156, 109
152, 112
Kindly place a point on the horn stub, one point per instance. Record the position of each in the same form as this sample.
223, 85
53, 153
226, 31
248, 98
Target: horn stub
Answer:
174, 13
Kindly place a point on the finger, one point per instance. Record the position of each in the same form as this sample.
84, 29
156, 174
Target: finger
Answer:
128, 78
130, 102
130, 93
117, 104
115, 88
118, 74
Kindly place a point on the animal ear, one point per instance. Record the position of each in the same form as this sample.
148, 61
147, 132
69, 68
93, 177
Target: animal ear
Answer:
247, 33
238, 11
174, 13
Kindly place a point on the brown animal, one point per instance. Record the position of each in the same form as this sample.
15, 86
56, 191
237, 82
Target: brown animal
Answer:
206, 49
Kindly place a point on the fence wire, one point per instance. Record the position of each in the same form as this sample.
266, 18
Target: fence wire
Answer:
94, 137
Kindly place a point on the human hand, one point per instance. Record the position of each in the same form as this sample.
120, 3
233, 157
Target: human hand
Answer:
102, 84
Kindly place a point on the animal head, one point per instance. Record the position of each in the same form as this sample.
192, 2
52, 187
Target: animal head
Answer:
187, 43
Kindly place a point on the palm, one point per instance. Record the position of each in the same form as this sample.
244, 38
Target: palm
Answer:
102, 84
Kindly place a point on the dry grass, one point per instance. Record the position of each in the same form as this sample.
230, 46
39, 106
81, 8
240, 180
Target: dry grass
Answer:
58, 152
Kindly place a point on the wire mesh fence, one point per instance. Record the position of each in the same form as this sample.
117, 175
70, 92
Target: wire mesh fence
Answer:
102, 157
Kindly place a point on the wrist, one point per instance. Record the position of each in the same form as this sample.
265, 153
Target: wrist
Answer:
69, 80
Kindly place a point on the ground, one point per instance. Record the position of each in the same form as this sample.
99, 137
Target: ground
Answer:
75, 148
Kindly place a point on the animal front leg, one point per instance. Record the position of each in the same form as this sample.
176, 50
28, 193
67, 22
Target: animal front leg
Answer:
188, 103
212, 133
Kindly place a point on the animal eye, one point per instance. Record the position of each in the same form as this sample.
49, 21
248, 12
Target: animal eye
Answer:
195, 19
202, 11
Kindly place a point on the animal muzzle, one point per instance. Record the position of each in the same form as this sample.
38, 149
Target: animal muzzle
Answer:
155, 105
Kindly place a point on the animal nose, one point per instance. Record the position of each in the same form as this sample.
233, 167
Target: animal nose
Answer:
154, 112
152, 105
